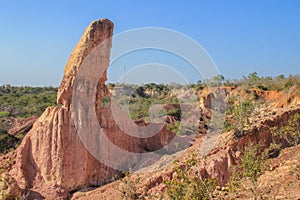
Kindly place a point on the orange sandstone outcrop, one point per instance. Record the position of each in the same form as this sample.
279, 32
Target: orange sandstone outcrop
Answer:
53, 160
217, 163
52, 155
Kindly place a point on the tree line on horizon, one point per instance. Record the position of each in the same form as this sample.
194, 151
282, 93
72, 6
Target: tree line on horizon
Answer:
26, 101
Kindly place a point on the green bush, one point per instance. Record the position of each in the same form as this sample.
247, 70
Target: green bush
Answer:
7, 142
290, 132
173, 111
174, 127
252, 164
184, 185
240, 110
105, 101
128, 188
4, 114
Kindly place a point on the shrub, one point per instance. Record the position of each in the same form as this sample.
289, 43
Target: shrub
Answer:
174, 127
185, 186
252, 164
7, 142
105, 101
240, 111
290, 132
128, 188
4, 114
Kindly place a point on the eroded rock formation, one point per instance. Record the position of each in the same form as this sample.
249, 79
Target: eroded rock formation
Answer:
53, 160
52, 155
216, 164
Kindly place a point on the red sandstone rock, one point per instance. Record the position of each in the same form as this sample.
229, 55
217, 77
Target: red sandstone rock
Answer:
53, 160
52, 155
216, 164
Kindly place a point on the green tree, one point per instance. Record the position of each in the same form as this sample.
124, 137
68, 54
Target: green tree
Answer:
215, 80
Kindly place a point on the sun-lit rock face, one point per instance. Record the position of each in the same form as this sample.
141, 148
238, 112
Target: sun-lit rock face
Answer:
96, 33
52, 159
217, 163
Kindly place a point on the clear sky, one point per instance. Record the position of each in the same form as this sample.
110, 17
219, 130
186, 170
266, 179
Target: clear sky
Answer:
37, 37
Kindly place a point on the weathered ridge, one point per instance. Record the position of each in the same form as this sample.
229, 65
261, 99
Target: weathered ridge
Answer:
52, 160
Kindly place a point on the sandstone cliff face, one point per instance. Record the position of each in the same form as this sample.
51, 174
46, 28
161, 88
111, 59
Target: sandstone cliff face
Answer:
216, 164
53, 159
97, 32
272, 99
220, 159
51, 154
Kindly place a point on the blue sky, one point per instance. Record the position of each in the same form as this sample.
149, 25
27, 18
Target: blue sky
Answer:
37, 37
